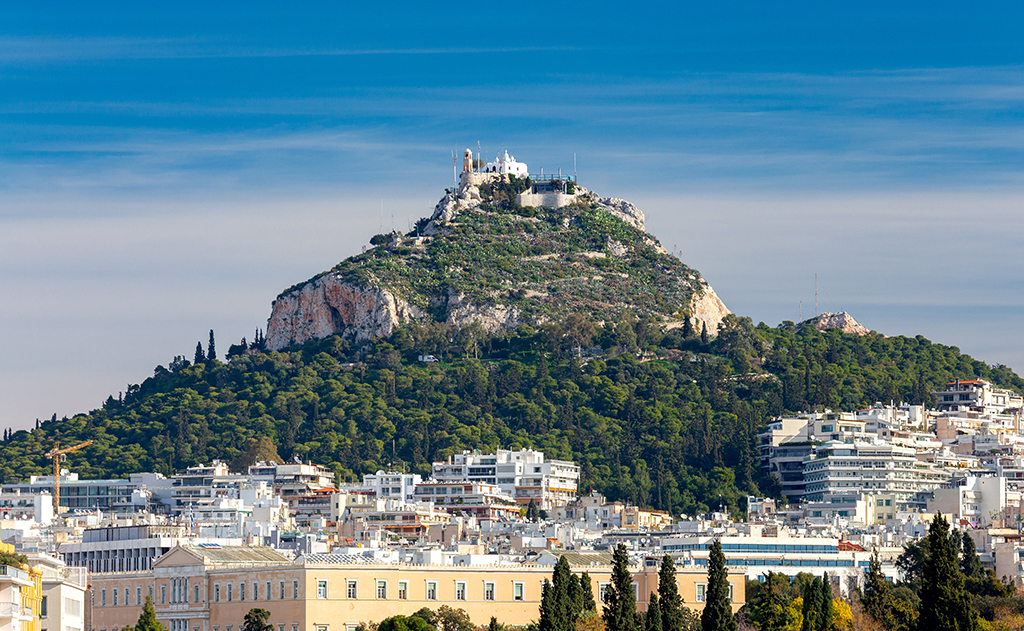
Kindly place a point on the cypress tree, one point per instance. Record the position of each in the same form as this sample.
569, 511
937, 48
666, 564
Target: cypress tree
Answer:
946, 604
587, 602
717, 614
827, 615
652, 618
620, 601
668, 595
704, 334
200, 357
211, 348
812, 605
147, 619
970, 564
547, 617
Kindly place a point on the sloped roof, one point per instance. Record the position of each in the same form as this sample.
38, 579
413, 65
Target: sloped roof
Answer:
230, 555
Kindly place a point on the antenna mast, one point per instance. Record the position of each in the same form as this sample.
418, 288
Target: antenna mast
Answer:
575, 178
815, 295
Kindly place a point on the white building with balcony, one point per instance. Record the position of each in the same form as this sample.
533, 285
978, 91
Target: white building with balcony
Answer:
525, 474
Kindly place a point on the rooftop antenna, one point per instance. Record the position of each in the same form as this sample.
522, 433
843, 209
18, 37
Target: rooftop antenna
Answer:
574, 176
455, 178
479, 155
381, 217
815, 295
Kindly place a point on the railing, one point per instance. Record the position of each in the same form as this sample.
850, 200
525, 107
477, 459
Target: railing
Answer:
7, 570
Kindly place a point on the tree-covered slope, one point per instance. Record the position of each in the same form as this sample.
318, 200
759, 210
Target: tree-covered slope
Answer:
674, 433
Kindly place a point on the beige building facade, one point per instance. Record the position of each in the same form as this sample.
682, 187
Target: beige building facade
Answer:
196, 589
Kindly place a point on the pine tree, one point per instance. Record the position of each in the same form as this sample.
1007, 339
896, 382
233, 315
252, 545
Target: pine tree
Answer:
620, 601
256, 620
704, 334
827, 615
211, 348
147, 619
652, 618
812, 605
668, 595
717, 614
200, 357
946, 604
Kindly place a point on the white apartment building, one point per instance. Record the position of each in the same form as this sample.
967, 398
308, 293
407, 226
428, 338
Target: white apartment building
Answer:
393, 485
869, 467
980, 500
783, 446
525, 474
63, 604
978, 395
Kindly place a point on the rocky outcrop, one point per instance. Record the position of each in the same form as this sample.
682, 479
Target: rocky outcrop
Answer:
327, 305
707, 309
841, 320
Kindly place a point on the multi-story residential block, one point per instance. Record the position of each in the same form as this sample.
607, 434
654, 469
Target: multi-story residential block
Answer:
393, 485
977, 395
783, 446
525, 474
870, 467
483, 501
979, 500
63, 605
140, 491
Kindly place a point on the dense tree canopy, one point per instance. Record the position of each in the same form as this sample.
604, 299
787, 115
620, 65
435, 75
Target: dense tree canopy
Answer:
673, 430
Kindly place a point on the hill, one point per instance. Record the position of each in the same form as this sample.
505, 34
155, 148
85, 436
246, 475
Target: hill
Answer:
675, 433
566, 329
484, 260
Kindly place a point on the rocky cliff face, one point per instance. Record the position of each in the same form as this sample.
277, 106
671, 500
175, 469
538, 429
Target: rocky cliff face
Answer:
840, 320
480, 257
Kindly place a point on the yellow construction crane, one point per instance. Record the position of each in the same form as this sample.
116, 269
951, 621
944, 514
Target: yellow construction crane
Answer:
58, 456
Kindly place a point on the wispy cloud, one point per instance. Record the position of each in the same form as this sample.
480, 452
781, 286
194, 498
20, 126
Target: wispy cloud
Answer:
50, 49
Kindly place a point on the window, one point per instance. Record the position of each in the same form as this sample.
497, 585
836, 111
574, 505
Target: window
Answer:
241, 591
103, 598
197, 594
282, 590
138, 596
295, 589
151, 592
231, 589
517, 591
163, 594
403, 590
255, 590
321, 627
42, 607
488, 591
701, 587
382, 589
269, 595
730, 593
460, 590
216, 592
602, 591
321, 588
350, 589
431, 590
115, 596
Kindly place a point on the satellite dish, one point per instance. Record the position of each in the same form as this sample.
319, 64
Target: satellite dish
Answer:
297, 460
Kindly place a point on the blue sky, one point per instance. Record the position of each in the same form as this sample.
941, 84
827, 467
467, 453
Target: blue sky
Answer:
167, 171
